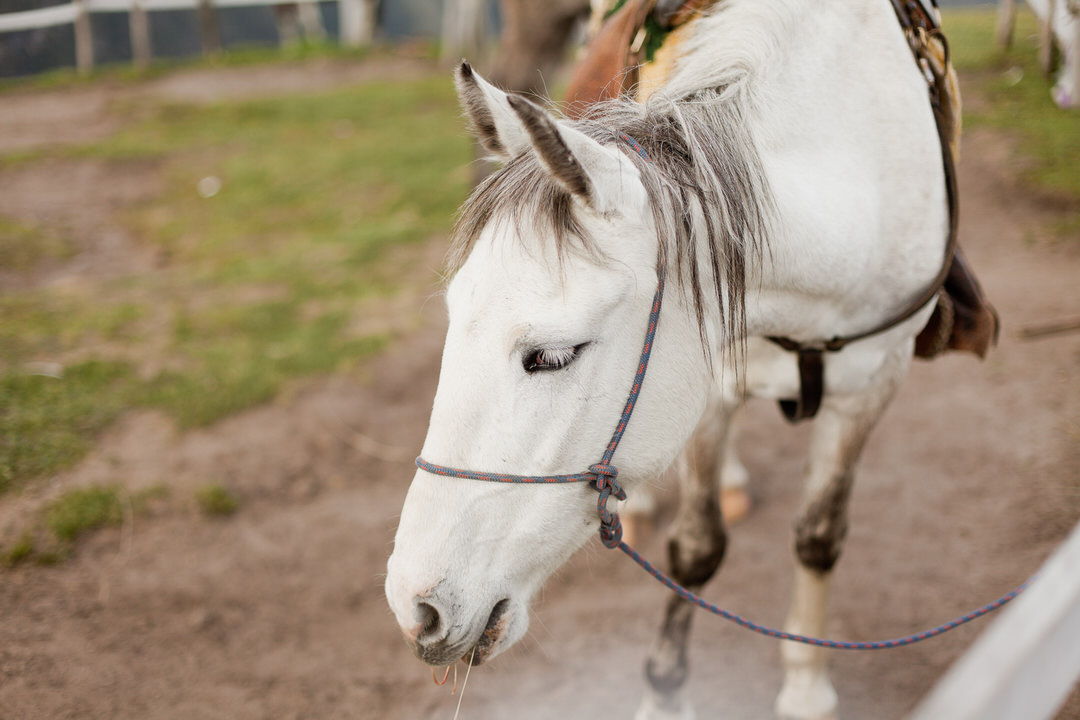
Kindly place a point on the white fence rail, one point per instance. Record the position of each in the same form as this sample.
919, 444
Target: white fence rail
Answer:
1028, 660
357, 21
33, 19
61, 14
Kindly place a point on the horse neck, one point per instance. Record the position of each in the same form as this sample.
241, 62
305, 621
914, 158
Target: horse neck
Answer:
843, 161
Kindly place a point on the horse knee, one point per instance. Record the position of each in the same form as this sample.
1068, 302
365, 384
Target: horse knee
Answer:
820, 529
693, 559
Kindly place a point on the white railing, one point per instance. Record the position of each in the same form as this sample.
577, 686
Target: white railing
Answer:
33, 19
1028, 660
357, 20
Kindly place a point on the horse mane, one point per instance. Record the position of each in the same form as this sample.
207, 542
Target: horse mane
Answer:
707, 188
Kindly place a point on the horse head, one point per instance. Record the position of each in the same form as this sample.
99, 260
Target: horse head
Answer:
548, 311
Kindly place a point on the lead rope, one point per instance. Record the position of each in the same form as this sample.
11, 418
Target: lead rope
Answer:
603, 477
806, 639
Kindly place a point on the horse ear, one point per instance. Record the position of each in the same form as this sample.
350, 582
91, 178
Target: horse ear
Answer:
493, 123
574, 159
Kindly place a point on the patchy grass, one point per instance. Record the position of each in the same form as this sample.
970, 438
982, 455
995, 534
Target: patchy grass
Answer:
20, 551
79, 511
49, 536
216, 501
1019, 100
23, 246
52, 556
47, 423
261, 281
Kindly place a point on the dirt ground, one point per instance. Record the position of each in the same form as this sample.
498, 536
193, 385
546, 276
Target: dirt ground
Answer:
971, 480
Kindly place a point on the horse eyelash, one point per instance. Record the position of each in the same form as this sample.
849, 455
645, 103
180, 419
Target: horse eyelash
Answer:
551, 358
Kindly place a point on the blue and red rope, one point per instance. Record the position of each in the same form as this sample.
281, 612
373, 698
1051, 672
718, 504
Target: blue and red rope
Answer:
696, 599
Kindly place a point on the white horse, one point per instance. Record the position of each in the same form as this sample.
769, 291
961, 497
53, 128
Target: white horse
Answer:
794, 188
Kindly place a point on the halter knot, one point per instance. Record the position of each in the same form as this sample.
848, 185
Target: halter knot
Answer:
607, 485
611, 531
606, 480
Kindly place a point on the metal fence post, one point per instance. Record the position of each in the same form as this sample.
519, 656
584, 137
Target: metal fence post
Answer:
357, 22
209, 30
139, 26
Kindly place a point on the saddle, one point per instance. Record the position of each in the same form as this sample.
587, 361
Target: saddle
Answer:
635, 50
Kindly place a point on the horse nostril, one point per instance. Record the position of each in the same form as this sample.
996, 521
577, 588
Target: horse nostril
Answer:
428, 617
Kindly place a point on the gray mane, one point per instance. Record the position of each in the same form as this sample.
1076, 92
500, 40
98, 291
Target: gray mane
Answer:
706, 186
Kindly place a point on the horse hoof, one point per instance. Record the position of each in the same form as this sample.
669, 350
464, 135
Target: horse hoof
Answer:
660, 707
636, 528
735, 505
826, 716
806, 695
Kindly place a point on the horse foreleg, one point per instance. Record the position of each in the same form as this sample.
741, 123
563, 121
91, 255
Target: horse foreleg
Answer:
695, 550
839, 434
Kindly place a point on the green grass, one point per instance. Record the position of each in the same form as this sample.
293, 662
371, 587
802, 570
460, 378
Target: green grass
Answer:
46, 423
1019, 100
259, 284
49, 536
23, 247
20, 551
216, 501
77, 512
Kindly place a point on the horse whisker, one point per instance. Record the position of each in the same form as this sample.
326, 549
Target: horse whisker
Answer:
465, 683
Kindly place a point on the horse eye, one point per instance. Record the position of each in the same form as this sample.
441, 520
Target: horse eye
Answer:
552, 358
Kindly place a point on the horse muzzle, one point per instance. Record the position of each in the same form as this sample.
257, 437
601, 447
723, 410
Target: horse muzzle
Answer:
440, 630
437, 641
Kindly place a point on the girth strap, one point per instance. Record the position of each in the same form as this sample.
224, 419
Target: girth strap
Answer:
811, 380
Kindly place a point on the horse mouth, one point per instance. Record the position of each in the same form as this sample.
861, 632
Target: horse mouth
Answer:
493, 632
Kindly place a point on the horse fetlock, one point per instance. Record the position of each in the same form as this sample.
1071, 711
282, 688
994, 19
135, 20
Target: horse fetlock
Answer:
667, 668
807, 694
